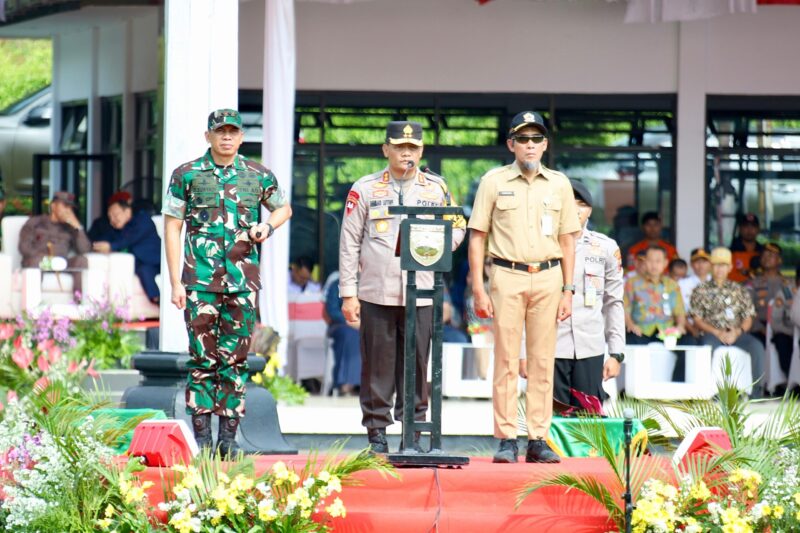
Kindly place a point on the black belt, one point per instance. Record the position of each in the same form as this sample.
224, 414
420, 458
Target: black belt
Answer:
525, 267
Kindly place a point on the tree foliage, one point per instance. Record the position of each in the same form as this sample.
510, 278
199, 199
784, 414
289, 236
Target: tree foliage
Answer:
26, 66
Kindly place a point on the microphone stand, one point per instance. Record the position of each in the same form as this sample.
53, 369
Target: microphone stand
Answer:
627, 428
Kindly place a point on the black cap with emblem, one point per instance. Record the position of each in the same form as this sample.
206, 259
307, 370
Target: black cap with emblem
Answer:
526, 119
581, 192
404, 132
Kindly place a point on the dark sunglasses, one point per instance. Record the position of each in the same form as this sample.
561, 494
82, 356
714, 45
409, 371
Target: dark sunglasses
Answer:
525, 139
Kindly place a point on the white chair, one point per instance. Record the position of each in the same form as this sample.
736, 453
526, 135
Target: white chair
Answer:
124, 284
648, 373
308, 344
28, 289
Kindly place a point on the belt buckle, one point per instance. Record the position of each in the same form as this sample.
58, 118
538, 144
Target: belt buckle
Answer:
534, 268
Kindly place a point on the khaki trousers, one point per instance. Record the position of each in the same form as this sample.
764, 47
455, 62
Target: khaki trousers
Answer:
529, 300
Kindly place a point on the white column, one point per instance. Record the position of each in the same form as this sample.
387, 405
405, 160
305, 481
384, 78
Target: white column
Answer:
201, 74
55, 120
128, 140
95, 132
276, 151
690, 149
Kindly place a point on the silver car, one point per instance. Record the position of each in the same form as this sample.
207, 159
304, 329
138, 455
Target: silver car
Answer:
24, 131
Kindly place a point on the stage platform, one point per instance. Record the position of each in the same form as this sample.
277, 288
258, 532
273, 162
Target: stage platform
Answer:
478, 498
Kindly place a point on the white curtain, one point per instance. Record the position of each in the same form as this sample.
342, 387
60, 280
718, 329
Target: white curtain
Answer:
684, 10
276, 151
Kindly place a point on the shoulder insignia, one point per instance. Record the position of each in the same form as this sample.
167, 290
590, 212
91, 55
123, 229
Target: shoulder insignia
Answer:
350, 203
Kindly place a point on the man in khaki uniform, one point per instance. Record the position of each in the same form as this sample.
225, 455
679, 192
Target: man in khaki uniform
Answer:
527, 213
372, 286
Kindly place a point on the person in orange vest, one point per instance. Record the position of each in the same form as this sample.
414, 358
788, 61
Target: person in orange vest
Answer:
745, 247
651, 227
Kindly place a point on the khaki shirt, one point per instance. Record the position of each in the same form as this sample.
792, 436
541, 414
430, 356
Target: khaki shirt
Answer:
367, 264
517, 215
598, 315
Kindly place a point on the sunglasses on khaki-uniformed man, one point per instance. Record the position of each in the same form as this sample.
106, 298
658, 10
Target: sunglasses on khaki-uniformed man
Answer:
536, 138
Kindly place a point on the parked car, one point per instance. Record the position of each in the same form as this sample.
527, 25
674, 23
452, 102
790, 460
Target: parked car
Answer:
24, 131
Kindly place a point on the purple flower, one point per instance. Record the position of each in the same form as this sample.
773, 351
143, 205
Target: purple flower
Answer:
104, 325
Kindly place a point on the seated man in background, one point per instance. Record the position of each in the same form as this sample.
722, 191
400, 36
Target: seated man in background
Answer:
653, 302
745, 249
724, 312
57, 234
137, 236
677, 269
300, 277
771, 286
701, 272
346, 341
652, 228
101, 228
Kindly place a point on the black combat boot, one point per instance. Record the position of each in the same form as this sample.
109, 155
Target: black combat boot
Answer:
201, 424
226, 438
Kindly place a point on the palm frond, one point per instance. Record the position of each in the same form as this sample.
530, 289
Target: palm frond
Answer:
587, 485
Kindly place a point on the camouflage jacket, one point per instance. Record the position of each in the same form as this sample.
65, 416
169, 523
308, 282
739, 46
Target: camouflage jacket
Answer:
219, 205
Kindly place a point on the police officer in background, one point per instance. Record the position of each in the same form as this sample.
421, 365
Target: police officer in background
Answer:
219, 196
372, 286
598, 315
526, 215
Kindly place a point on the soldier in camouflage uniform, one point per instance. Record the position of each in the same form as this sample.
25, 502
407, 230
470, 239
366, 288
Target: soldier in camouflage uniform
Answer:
219, 196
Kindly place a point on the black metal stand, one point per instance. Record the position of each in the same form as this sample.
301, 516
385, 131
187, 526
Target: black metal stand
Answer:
436, 456
163, 387
627, 428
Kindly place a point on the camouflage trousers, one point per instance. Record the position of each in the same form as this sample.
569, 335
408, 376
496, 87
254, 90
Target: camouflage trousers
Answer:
220, 328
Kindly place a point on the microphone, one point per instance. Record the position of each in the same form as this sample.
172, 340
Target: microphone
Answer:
627, 428
409, 166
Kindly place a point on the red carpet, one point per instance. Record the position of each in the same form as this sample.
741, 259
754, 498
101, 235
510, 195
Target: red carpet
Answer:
477, 498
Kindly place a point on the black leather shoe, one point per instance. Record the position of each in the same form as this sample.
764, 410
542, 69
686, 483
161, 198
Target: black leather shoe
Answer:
377, 440
507, 452
540, 452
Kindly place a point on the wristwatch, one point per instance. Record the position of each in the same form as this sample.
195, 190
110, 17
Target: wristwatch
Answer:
620, 357
271, 230
570, 287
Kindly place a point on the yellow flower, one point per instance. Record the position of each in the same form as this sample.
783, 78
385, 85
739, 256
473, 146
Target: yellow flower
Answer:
325, 476
336, 509
777, 511
266, 512
797, 498
700, 491
223, 478
109, 511
334, 484
269, 371
241, 483
256, 378
766, 510
104, 523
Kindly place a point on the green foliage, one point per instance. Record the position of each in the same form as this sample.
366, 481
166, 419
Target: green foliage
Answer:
61, 473
282, 388
26, 65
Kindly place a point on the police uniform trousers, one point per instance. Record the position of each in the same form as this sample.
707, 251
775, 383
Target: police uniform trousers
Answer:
382, 362
220, 327
529, 300
584, 375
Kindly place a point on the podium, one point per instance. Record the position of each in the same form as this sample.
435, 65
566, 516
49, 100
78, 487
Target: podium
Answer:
425, 245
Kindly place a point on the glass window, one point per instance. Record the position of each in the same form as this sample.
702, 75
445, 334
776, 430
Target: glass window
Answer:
621, 146
146, 182
753, 166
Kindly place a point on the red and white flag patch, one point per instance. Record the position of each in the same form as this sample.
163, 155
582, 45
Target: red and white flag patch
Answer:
351, 202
